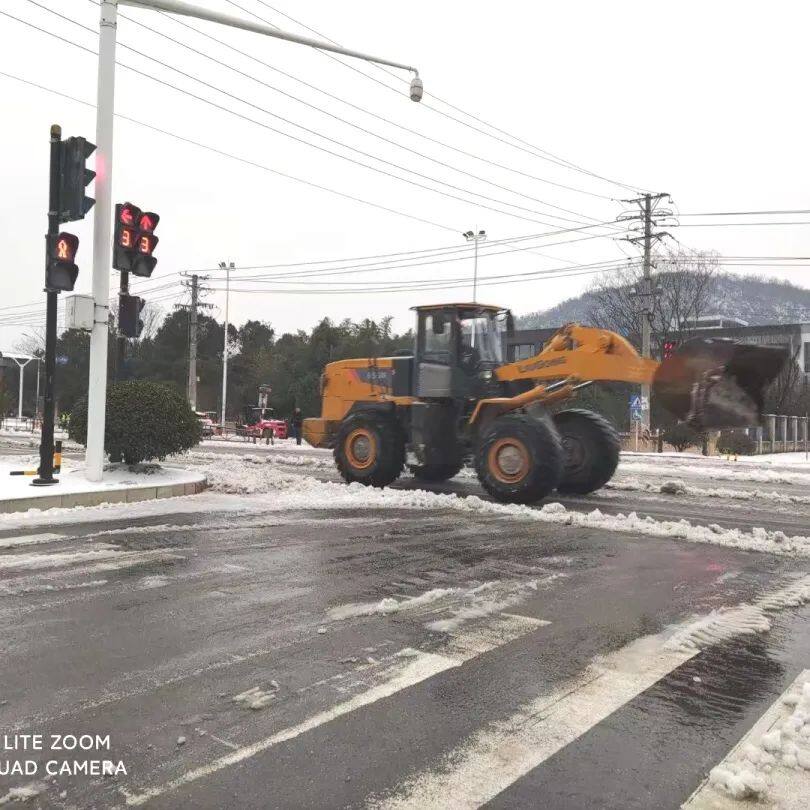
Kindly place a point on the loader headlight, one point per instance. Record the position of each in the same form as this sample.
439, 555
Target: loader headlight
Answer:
486, 374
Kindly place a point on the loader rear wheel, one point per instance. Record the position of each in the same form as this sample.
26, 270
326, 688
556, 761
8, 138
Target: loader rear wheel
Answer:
370, 449
519, 459
436, 472
591, 450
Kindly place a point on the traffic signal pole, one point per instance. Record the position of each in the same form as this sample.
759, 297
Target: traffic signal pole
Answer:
121, 341
97, 388
48, 412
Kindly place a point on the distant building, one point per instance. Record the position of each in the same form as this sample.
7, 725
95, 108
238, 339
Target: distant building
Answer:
714, 322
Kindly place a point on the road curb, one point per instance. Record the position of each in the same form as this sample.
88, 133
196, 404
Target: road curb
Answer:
98, 497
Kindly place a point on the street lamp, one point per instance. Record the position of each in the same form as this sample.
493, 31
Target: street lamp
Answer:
97, 385
227, 268
475, 238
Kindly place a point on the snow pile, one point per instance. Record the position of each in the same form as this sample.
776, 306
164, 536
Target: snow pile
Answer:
23, 793
285, 459
743, 619
738, 781
785, 745
672, 488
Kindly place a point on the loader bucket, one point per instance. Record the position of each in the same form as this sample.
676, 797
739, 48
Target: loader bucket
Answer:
714, 383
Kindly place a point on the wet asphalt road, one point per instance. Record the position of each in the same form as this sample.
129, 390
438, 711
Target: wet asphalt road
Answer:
381, 649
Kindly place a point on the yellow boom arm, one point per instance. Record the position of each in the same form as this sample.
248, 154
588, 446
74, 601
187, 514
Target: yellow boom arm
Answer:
575, 354
585, 354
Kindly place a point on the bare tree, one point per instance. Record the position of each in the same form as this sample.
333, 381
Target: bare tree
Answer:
32, 342
152, 316
685, 279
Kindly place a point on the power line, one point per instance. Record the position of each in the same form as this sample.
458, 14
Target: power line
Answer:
229, 155
545, 156
450, 249
369, 269
299, 126
326, 112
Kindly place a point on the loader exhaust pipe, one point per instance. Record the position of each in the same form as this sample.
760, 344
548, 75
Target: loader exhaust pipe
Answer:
714, 383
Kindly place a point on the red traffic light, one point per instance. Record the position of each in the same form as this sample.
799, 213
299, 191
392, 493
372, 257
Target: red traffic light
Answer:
65, 248
148, 222
129, 214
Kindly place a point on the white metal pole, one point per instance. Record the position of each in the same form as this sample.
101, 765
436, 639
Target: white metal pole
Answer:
475, 266
228, 267
97, 388
20, 397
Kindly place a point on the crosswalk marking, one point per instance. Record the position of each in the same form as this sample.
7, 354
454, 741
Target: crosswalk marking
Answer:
497, 756
788, 788
407, 668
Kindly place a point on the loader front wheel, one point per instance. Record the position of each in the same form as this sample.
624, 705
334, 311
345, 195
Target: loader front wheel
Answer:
370, 449
519, 459
591, 450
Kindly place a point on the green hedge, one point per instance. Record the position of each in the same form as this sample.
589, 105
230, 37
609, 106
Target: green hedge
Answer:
145, 421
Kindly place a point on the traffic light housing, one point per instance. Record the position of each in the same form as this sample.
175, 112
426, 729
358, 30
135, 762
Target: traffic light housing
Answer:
134, 240
129, 315
61, 269
74, 176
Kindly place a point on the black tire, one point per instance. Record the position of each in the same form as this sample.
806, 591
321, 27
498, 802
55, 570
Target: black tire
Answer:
519, 459
370, 449
591, 450
436, 472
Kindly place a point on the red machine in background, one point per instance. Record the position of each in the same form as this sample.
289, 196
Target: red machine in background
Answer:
260, 422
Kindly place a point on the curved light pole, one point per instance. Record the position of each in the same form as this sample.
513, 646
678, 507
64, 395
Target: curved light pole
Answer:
102, 217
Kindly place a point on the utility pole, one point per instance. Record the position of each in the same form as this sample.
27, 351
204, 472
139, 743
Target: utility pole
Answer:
194, 286
192, 345
647, 217
227, 267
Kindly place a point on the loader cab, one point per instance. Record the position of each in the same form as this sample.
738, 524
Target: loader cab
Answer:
458, 347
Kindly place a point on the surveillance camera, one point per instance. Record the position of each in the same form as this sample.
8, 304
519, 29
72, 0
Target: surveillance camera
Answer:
416, 89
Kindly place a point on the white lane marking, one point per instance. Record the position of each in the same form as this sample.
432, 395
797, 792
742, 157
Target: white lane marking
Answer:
32, 539
500, 754
787, 788
410, 667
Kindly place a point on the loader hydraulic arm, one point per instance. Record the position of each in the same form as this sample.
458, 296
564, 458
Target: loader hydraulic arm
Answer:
583, 353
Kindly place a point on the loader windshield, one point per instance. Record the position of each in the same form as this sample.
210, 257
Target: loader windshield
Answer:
481, 336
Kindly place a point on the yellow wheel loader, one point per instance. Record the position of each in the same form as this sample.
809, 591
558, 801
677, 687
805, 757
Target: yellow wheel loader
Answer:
455, 398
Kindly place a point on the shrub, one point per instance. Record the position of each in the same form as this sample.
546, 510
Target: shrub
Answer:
736, 443
145, 421
681, 436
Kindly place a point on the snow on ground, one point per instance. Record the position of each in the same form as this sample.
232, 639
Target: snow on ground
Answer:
72, 480
679, 487
743, 619
732, 471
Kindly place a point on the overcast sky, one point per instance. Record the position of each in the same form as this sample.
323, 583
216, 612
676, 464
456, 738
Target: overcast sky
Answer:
705, 101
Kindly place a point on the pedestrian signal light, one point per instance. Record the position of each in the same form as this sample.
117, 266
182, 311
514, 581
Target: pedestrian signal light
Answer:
61, 271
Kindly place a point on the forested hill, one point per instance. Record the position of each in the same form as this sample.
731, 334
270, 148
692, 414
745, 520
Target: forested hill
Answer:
755, 300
